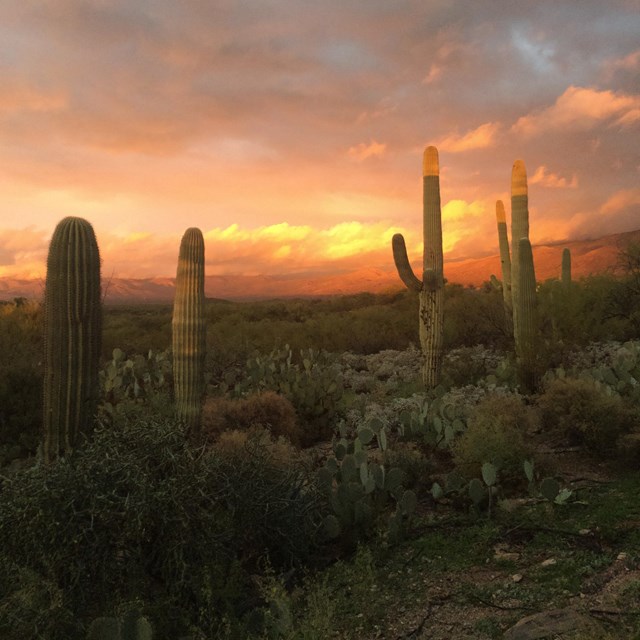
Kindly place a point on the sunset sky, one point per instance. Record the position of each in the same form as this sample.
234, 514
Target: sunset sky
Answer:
291, 132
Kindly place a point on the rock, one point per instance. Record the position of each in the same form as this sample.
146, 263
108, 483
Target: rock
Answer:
548, 562
551, 624
516, 577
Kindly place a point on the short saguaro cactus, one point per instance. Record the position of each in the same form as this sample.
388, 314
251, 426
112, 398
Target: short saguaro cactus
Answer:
189, 330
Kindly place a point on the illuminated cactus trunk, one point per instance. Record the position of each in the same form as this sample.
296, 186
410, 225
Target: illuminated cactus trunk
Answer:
189, 330
431, 288
73, 326
519, 229
505, 263
526, 335
566, 268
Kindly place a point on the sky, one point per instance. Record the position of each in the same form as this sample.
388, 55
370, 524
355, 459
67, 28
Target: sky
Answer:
291, 132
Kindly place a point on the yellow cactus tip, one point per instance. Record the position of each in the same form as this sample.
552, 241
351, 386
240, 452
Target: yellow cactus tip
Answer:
519, 179
501, 216
430, 164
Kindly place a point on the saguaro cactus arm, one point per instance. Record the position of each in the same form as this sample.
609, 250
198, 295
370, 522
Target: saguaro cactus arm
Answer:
402, 263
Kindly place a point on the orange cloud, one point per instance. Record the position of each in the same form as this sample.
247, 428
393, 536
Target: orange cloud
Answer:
621, 200
23, 253
363, 151
580, 108
546, 178
18, 96
272, 249
480, 138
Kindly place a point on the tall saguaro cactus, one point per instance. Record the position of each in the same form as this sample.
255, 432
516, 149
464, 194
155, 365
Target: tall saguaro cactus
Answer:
189, 329
526, 333
505, 263
431, 288
73, 333
519, 229
566, 267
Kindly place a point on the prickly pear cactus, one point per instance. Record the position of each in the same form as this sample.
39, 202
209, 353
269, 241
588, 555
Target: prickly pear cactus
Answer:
73, 333
430, 288
189, 330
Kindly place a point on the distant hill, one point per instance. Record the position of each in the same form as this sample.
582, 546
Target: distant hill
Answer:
587, 257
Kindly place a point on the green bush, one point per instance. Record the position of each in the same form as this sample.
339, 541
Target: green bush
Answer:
21, 345
586, 413
313, 385
496, 433
267, 409
139, 513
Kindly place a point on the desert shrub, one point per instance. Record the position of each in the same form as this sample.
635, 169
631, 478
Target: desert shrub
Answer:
468, 365
265, 409
473, 316
234, 443
312, 382
414, 464
21, 345
496, 433
139, 513
136, 328
586, 413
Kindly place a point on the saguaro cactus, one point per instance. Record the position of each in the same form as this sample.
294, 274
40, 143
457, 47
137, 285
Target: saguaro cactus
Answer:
505, 263
189, 329
566, 267
73, 333
519, 229
431, 288
526, 334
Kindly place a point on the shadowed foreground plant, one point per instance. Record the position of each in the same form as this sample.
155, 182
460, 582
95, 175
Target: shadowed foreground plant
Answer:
141, 514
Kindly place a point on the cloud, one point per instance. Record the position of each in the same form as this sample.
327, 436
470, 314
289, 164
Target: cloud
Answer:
480, 138
271, 249
581, 108
23, 253
621, 201
546, 178
362, 151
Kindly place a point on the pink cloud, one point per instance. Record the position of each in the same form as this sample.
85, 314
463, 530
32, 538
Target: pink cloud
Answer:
580, 108
364, 151
546, 178
479, 138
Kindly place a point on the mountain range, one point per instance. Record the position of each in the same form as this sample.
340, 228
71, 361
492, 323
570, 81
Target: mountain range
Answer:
587, 257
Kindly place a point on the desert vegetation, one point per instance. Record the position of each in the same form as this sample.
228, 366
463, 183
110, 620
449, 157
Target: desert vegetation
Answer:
323, 468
